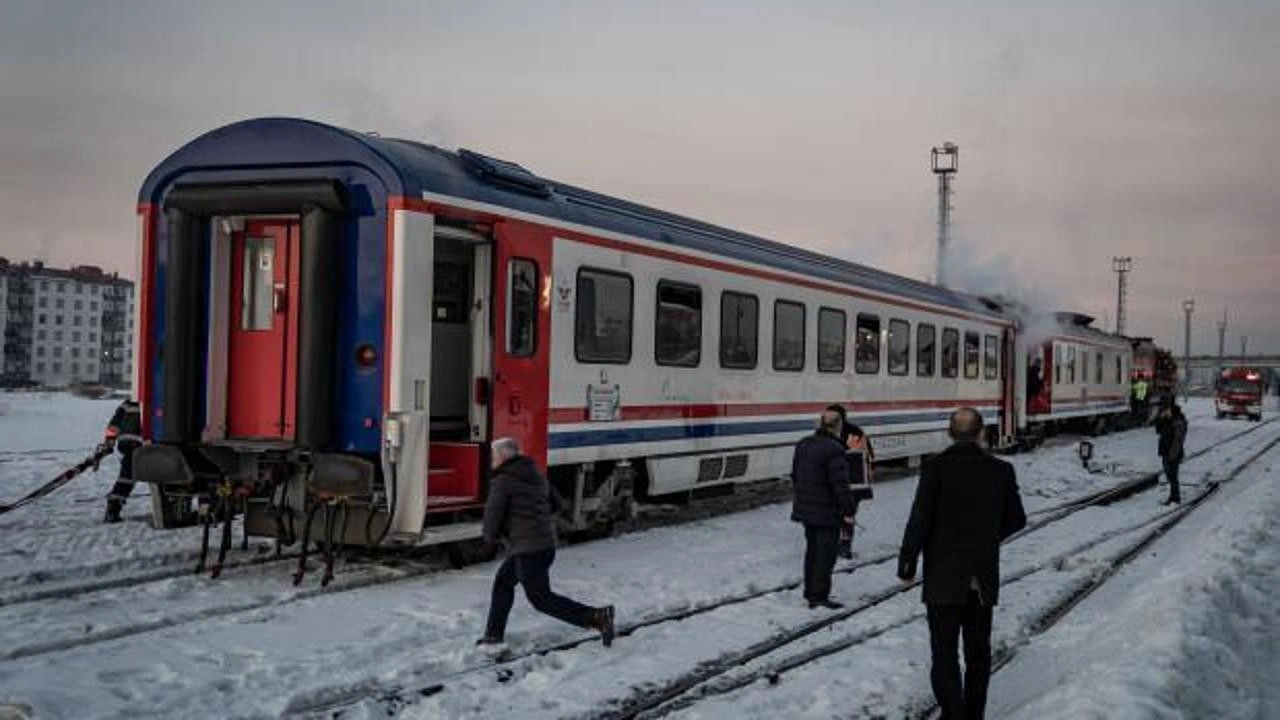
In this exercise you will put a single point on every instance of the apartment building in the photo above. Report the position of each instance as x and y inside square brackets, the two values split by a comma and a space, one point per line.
[67, 326]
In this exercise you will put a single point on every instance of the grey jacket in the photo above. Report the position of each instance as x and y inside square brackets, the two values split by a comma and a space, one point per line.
[521, 509]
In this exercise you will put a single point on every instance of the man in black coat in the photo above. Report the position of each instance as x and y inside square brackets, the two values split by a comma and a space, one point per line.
[966, 504]
[1171, 426]
[521, 513]
[820, 476]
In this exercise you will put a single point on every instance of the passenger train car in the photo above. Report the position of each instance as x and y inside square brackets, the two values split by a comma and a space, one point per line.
[1078, 377]
[329, 316]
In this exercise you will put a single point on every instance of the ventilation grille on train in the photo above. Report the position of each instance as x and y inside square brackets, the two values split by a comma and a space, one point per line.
[722, 468]
[735, 466]
[709, 469]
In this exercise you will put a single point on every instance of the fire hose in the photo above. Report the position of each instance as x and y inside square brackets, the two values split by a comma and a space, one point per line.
[67, 476]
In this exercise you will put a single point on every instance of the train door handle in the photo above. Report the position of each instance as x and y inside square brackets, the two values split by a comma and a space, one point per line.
[279, 298]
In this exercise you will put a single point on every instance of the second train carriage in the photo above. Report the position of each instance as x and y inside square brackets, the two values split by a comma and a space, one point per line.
[326, 314]
[1078, 377]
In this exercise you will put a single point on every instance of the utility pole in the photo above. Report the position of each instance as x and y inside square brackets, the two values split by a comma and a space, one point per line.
[1121, 267]
[1188, 306]
[946, 161]
[1244, 343]
[1222, 341]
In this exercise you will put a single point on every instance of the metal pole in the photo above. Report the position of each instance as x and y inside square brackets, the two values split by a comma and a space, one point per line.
[1222, 340]
[944, 223]
[1121, 266]
[1188, 305]
[1244, 344]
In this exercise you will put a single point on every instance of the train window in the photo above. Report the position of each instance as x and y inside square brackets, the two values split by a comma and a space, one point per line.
[602, 321]
[1057, 364]
[1071, 364]
[925, 349]
[950, 352]
[899, 347]
[788, 335]
[1119, 366]
[257, 284]
[991, 357]
[739, 327]
[1097, 368]
[1084, 367]
[971, 352]
[522, 307]
[866, 354]
[831, 331]
[678, 333]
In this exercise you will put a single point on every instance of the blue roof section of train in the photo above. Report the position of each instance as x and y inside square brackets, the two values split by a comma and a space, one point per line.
[263, 148]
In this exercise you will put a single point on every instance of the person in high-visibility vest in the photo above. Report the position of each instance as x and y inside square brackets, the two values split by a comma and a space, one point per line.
[1138, 403]
[124, 433]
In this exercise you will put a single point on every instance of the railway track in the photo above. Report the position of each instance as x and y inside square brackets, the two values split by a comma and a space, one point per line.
[723, 675]
[1055, 614]
[392, 698]
[241, 598]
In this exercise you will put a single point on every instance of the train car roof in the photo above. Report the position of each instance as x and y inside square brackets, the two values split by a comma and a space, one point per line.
[1078, 327]
[409, 168]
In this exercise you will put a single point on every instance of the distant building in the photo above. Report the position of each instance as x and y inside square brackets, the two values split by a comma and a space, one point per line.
[66, 326]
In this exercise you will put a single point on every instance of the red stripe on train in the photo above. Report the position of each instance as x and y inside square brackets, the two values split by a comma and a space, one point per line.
[701, 411]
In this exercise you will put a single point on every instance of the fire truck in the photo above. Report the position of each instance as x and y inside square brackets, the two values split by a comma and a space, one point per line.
[1239, 392]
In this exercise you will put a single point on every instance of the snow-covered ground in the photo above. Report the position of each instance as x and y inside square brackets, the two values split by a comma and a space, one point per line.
[249, 644]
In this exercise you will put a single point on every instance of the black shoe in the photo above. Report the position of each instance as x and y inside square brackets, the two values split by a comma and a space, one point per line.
[845, 551]
[602, 620]
[113, 511]
[828, 603]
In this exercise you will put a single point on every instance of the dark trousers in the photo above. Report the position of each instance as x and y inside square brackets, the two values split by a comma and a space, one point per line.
[820, 546]
[1171, 473]
[532, 571]
[124, 483]
[967, 702]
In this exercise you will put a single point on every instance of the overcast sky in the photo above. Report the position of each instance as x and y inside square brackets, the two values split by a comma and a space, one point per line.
[1086, 129]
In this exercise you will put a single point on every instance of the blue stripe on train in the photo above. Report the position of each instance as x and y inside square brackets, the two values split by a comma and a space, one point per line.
[624, 436]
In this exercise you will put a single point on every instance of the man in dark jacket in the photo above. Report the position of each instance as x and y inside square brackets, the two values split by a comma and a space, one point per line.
[521, 513]
[966, 504]
[1171, 426]
[124, 432]
[820, 476]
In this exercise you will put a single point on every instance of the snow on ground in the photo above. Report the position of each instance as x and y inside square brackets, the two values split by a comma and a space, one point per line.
[1191, 629]
[42, 434]
[206, 655]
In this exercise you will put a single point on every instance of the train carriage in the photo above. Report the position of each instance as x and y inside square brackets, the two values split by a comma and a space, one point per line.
[334, 317]
[1080, 377]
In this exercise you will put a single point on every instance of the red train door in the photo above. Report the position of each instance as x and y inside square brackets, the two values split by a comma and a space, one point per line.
[262, 362]
[522, 339]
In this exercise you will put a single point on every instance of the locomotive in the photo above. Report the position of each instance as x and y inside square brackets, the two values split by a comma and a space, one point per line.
[331, 318]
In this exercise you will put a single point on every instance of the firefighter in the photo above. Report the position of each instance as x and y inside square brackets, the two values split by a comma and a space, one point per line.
[859, 455]
[124, 433]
